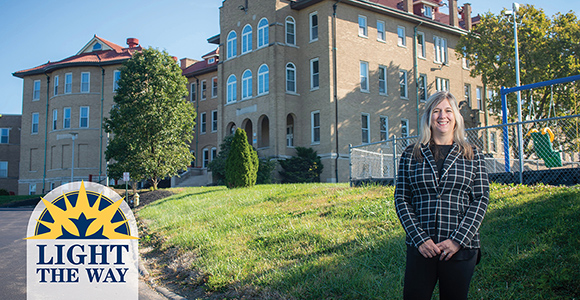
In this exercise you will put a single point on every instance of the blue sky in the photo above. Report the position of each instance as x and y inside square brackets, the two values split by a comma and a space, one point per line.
[34, 32]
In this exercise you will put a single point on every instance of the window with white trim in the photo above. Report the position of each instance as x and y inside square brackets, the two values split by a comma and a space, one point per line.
[441, 84]
[232, 45]
[54, 119]
[55, 88]
[365, 128]
[32, 188]
[36, 91]
[85, 82]
[203, 122]
[3, 169]
[214, 87]
[362, 26]
[290, 135]
[246, 84]
[421, 44]
[66, 118]
[290, 31]
[263, 33]
[232, 87]
[422, 84]
[403, 84]
[384, 127]
[116, 78]
[213, 153]
[364, 76]
[203, 85]
[247, 39]
[440, 48]
[401, 39]
[84, 117]
[4, 135]
[205, 158]
[478, 93]
[214, 121]
[193, 92]
[467, 93]
[492, 142]
[382, 80]
[34, 128]
[314, 74]
[313, 18]
[263, 80]
[428, 11]
[404, 132]
[315, 127]
[381, 36]
[68, 83]
[290, 78]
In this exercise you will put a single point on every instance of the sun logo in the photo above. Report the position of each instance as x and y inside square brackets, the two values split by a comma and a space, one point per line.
[82, 215]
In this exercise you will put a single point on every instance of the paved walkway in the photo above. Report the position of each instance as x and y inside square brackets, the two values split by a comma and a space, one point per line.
[13, 222]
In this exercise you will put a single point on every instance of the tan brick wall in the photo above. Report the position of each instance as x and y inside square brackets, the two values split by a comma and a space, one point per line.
[10, 152]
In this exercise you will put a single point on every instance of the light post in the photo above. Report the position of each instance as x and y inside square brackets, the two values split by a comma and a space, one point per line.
[513, 12]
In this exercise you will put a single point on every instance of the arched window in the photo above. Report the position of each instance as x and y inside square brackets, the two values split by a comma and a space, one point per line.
[290, 78]
[290, 31]
[247, 39]
[232, 89]
[263, 80]
[247, 84]
[232, 45]
[263, 38]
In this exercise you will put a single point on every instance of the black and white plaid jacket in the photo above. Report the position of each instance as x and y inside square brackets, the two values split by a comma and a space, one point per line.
[450, 208]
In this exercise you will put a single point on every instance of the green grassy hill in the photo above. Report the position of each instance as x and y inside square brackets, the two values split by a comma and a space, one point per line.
[327, 241]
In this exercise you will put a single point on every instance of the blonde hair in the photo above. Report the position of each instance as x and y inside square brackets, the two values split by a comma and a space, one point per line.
[425, 136]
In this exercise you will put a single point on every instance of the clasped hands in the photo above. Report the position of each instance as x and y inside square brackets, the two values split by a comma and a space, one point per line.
[445, 249]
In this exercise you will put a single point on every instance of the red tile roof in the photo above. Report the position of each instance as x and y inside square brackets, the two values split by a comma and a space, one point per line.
[202, 66]
[103, 57]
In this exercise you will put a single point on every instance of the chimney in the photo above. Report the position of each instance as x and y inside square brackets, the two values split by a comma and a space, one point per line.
[186, 62]
[132, 42]
[453, 14]
[466, 15]
[408, 6]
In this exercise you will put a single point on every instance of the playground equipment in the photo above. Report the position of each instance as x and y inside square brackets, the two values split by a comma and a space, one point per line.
[543, 146]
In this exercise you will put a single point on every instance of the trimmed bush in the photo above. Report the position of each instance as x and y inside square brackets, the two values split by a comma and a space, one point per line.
[241, 163]
[304, 167]
[265, 170]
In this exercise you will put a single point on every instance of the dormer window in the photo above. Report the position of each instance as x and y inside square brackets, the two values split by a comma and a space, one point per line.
[97, 47]
[428, 11]
[211, 60]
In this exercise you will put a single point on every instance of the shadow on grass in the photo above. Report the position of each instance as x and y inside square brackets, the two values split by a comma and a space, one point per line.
[530, 250]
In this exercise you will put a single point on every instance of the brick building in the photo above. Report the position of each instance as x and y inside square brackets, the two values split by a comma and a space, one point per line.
[9, 152]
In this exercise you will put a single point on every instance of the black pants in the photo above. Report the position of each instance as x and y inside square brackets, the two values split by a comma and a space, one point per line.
[454, 276]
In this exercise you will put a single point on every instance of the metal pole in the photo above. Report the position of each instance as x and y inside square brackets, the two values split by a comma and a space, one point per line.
[515, 7]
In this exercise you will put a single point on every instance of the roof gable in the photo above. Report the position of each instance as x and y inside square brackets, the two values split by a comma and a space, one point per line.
[99, 44]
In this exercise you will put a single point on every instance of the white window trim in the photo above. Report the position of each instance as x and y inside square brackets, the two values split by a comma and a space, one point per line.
[263, 30]
[250, 85]
[402, 42]
[213, 153]
[365, 28]
[386, 131]
[425, 86]
[55, 86]
[478, 98]
[422, 53]
[214, 79]
[293, 68]
[3, 168]
[233, 94]
[312, 128]
[202, 123]
[406, 84]
[442, 84]
[214, 120]
[384, 68]
[115, 81]
[203, 90]
[193, 92]
[81, 116]
[54, 119]
[233, 43]
[88, 83]
[312, 87]
[205, 158]
[291, 20]
[384, 39]
[247, 41]
[440, 50]
[310, 27]
[37, 123]
[264, 82]
[7, 135]
[35, 92]
[368, 128]
[68, 84]
[64, 117]
[406, 125]
[364, 76]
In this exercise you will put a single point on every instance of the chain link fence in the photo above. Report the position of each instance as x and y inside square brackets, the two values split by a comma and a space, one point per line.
[551, 153]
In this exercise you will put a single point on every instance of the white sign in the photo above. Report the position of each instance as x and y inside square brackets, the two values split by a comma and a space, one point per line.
[126, 176]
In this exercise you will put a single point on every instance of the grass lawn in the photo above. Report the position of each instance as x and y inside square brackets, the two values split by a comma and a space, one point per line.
[326, 241]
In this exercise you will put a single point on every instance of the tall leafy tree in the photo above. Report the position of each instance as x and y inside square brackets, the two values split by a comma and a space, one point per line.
[548, 48]
[151, 122]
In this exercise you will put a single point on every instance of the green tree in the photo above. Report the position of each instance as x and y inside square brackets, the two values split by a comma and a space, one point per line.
[306, 166]
[242, 162]
[218, 165]
[151, 122]
[548, 48]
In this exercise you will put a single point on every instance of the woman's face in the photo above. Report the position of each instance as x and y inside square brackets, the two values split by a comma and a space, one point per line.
[442, 119]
